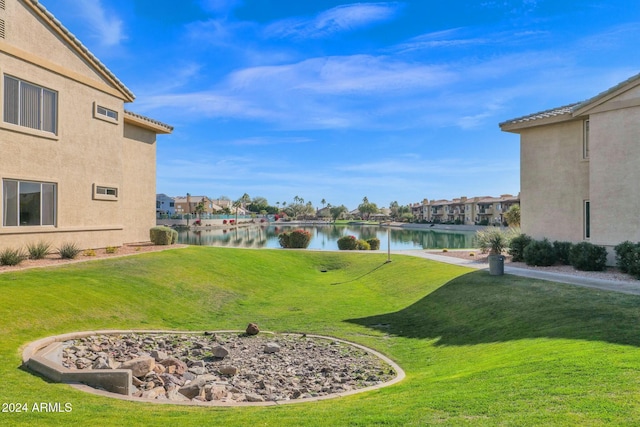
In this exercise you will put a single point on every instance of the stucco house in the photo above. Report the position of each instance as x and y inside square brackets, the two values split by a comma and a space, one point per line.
[579, 169]
[74, 166]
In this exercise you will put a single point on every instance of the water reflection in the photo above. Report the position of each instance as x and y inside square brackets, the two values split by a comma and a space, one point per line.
[325, 237]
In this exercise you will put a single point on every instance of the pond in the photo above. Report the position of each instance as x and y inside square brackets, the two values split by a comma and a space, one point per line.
[325, 237]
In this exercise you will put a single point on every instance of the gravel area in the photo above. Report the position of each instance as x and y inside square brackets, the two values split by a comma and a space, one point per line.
[231, 367]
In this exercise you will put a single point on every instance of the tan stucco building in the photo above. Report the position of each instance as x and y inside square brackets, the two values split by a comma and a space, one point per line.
[579, 168]
[74, 165]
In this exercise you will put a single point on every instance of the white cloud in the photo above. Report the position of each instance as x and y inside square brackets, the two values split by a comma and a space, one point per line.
[339, 19]
[105, 26]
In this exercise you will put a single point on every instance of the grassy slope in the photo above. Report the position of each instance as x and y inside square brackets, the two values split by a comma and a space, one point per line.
[477, 349]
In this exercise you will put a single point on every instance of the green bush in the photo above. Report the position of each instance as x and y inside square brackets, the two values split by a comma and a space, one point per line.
[38, 250]
[562, 249]
[363, 245]
[517, 245]
[588, 257]
[163, 235]
[69, 250]
[11, 256]
[374, 243]
[492, 240]
[347, 243]
[625, 252]
[540, 253]
[296, 239]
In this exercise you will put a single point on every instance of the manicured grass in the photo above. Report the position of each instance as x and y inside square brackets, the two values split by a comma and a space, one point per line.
[477, 349]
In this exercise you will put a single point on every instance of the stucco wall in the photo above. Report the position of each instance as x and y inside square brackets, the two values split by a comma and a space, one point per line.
[615, 174]
[86, 150]
[554, 181]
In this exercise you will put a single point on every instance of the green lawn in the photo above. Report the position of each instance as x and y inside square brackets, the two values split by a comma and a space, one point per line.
[477, 349]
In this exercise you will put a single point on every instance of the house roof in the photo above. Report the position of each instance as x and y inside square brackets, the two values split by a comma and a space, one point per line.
[82, 49]
[572, 110]
[146, 122]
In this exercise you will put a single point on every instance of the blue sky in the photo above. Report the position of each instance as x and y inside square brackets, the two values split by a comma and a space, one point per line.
[336, 100]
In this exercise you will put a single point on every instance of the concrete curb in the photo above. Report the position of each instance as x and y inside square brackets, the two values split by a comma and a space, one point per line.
[44, 356]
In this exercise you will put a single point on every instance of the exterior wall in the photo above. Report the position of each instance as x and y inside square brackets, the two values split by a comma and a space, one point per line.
[615, 173]
[86, 150]
[554, 180]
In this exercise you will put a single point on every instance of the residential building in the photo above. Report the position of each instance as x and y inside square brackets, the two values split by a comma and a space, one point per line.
[463, 210]
[76, 167]
[579, 169]
[165, 205]
[189, 205]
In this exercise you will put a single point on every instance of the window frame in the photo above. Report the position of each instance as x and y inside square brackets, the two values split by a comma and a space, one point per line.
[98, 114]
[108, 192]
[47, 114]
[585, 139]
[47, 203]
[586, 214]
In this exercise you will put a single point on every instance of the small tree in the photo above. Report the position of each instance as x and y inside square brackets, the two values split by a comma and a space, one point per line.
[492, 240]
[512, 216]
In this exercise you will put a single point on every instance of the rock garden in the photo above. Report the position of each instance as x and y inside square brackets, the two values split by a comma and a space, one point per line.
[231, 367]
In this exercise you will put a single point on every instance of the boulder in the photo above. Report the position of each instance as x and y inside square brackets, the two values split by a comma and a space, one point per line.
[252, 329]
[139, 366]
[220, 352]
[174, 366]
[159, 355]
[228, 370]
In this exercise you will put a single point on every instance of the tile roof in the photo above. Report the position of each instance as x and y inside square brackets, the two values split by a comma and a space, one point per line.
[157, 123]
[83, 49]
[567, 109]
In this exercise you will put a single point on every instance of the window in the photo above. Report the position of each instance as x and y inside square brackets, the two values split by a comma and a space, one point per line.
[28, 203]
[105, 192]
[587, 219]
[31, 106]
[585, 140]
[104, 113]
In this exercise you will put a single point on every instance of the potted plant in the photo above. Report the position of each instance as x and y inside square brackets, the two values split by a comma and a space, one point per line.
[494, 241]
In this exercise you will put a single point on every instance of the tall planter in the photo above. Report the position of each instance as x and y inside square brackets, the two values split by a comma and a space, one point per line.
[496, 265]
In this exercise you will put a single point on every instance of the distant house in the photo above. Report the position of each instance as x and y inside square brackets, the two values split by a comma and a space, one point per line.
[165, 205]
[579, 168]
[74, 165]
[475, 210]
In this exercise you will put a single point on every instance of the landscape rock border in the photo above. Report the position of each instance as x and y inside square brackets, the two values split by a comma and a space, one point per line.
[45, 357]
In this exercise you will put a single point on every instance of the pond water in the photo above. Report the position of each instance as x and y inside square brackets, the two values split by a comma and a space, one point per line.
[325, 237]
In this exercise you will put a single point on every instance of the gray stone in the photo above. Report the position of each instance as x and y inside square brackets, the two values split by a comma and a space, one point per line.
[174, 366]
[252, 397]
[220, 352]
[198, 370]
[159, 355]
[271, 347]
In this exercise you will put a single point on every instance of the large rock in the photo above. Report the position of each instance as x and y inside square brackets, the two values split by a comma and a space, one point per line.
[252, 329]
[139, 366]
[228, 370]
[220, 352]
[174, 366]
[193, 389]
[159, 355]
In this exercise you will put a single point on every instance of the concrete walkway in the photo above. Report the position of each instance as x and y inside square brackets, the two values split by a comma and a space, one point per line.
[626, 287]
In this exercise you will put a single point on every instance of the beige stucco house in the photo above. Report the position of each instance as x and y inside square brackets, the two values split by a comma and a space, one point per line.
[579, 168]
[74, 165]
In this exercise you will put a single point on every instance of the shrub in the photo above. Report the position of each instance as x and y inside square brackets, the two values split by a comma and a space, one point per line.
[563, 249]
[69, 250]
[12, 256]
[38, 250]
[492, 240]
[111, 249]
[89, 252]
[347, 243]
[588, 257]
[224, 222]
[162, 235]
[362, 245]
[296, 239]
[374, 243]
[517, 245]
[624, 255]
[540, 253]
